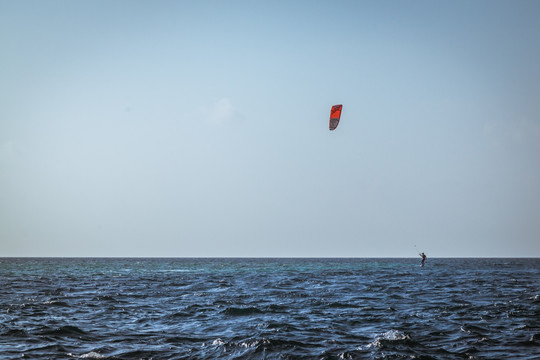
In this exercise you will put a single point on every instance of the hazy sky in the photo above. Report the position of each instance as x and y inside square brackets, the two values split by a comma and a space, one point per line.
[200, 128]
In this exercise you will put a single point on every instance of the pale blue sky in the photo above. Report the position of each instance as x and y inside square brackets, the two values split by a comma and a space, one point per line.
[200, 128]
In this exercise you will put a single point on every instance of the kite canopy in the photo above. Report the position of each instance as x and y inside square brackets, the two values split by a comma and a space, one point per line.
[335, 115]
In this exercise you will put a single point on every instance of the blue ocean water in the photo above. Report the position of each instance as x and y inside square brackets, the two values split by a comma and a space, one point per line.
[269, 308]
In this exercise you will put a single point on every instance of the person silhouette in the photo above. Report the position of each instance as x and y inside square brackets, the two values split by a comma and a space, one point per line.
[424, 257]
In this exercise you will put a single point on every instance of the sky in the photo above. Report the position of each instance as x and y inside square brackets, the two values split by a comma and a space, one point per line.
[200, 128]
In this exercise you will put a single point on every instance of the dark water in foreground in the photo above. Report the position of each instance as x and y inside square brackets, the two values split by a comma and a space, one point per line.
[269, 309]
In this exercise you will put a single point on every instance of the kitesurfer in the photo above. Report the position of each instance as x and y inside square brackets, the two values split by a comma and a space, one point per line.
[424, 257]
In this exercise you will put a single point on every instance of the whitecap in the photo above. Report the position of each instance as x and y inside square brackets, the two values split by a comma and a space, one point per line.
[394, 335]
[391, 335]
[218, 342]
[249, 344]
[254, 343]
[91, 355]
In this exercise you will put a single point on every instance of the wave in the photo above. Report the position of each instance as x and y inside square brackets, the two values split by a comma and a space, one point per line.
[341, 305]
[278, 308]
[92, 355]
[56, 303]
[64, 331]
[15, 333]
[262, 344]
[234, 311]
[384, 339]
[104, 298]
[475, 330]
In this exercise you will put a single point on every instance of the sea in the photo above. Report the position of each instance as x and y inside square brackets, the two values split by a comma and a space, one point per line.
[263, 308]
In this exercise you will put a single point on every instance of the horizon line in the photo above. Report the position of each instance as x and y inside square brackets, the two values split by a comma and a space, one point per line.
[262, 257]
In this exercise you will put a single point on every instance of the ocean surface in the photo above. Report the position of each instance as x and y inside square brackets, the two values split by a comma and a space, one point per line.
[90, 308]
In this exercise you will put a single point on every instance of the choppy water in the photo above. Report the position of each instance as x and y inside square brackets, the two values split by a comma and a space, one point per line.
[269, 309]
